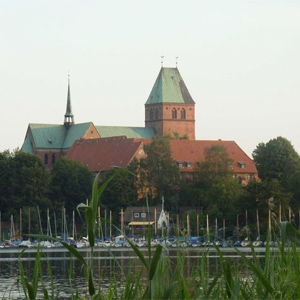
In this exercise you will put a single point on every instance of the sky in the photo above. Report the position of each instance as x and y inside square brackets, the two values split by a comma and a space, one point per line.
[239, 60]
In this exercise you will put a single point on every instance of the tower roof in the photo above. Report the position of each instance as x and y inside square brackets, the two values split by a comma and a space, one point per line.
[169, 87]
[69, 117]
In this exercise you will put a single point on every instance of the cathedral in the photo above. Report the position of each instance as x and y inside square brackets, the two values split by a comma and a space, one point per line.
[169, 110]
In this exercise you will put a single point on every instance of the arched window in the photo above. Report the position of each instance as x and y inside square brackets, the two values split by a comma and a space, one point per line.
[156, 114]
[151, 114]
[53, 158]
[46, 159]
[174, 113]
[183, 113]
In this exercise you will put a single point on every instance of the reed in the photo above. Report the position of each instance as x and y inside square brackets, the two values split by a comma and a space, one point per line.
[276, 276]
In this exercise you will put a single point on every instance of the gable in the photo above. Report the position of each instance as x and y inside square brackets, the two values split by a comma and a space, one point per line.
[47, 136]
[75, 132]
[52, 136]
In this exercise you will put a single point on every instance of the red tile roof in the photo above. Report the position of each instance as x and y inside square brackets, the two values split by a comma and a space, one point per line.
[193, 151]
[104, 153]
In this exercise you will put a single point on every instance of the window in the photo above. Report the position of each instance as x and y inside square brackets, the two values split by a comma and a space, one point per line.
[136, 215]
[46, 159]
[53, 159]
[241, 164]
[156, 114]
[174, 113]
[180, 164]
[183, 113]
[188, 164]
[143, 215]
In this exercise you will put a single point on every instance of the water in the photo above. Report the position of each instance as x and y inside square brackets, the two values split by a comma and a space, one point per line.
[108, 266]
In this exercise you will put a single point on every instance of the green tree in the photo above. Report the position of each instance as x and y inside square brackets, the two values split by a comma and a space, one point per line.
[5, 171]
[218, 191]
[276, 159]
[70, 185]
[293, 187]
[120, 193]
[215, 166]
[160, 171]
[26, 182]
[264, 196]
[221, 200]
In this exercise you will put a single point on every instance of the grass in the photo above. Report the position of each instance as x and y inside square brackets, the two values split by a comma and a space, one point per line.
[276, 276]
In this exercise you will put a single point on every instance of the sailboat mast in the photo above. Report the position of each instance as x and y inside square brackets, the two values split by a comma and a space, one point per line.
[207, 227]
[21, 229]
[237, 227]
[41, 228]
[257, 223]
[55, 225]
[99, 222]
[29, 222]
[110, 224]
[216, 229]
[73, 229]
[247, 222]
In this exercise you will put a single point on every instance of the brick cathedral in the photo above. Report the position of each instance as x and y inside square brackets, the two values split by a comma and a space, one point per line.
[169, 110]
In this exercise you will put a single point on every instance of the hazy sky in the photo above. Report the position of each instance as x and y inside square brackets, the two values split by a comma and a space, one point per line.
[239, 60]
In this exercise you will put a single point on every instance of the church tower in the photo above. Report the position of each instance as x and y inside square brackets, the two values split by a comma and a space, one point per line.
[170, 108]
[69, 117]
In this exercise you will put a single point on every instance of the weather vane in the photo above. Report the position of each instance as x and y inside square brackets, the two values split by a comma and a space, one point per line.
[162, 60]
[177, 61]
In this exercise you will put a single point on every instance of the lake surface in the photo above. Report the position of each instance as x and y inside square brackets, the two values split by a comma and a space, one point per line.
[108, 266]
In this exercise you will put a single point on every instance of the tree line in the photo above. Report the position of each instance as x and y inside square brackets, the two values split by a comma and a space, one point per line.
[24, 183]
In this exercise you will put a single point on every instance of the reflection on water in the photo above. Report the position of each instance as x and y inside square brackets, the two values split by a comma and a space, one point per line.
[107, 267]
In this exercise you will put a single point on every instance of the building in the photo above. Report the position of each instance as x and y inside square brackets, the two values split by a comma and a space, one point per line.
[169, 110]
[53, 141]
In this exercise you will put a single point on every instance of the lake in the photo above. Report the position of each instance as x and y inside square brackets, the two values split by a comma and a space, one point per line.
[109, 265]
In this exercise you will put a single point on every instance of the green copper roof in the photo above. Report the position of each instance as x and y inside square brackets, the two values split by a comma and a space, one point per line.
[169, 87]
[27, 146]
[75, 132]
[129, 132]
[49, 136]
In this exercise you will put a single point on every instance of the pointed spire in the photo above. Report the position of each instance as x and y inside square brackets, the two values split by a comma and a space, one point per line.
[69, 117]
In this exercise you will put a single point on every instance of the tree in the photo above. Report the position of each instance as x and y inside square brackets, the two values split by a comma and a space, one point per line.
[71, 184]
[221, 200]
[216, 165]
[24, 182]
[276, 159]
[159, 170]
[121, 192]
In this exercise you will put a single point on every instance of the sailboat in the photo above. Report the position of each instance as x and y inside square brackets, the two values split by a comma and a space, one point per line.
[237, 243]
[207, 243]
[258, 242]
[224, 243]
[45, 244]
[217, 242]
[246, 242]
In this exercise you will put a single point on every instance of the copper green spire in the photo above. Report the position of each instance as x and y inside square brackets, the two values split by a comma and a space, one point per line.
[169, 87]
[69, 117]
